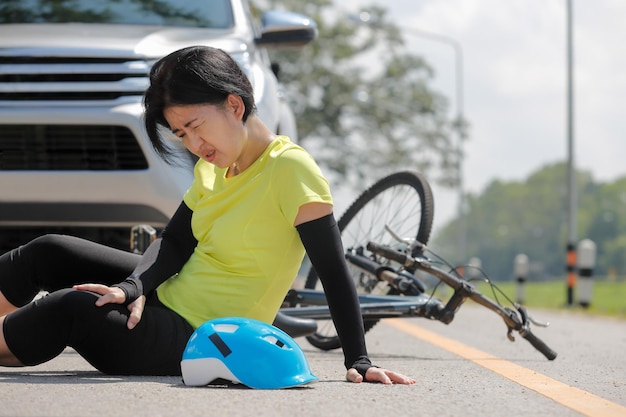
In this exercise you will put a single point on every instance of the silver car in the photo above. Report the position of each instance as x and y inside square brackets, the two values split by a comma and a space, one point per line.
[74, 157]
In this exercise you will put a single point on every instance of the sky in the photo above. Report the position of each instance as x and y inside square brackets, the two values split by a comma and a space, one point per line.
[514, 83]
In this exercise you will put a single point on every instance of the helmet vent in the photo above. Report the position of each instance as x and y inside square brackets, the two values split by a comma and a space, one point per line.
[275, 341]
[226, 327]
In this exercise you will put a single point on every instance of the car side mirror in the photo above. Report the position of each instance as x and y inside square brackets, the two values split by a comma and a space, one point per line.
[282, 28]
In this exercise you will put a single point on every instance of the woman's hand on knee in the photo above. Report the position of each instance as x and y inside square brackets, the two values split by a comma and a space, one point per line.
[107, 294]
[136, 310]
[116, 296]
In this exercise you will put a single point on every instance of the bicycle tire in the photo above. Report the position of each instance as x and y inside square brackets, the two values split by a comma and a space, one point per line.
[403, 201]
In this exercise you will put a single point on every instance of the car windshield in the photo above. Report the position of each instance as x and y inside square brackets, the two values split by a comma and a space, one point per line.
[215, 14]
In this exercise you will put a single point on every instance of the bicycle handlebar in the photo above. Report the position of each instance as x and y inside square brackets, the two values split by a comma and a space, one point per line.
[532, 339]
[517, 321]
[538, 344]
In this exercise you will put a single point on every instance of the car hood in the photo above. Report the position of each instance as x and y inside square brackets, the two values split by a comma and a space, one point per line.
[88, 40]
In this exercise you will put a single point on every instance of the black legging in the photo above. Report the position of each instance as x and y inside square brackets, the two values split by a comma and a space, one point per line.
[40, 330]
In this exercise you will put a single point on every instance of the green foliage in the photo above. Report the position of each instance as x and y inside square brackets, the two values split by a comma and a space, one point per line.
[529, 217]
[363, 104]
[608, 296]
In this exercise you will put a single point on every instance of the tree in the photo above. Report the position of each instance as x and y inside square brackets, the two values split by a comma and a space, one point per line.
[529, 217]
[363, 104]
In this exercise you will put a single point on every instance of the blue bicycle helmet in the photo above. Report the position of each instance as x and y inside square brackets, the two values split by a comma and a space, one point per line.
[244, 351]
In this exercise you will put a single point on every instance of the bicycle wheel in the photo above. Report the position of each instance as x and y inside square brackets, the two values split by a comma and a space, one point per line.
[404, 202]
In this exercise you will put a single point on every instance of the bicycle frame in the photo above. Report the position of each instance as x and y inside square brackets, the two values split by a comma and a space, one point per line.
[313, 305]
[305, 303]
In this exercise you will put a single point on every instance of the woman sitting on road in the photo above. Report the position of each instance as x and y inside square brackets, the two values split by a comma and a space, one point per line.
[232, 248]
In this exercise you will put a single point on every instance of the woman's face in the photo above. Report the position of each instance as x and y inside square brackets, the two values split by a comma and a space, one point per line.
[212, 133]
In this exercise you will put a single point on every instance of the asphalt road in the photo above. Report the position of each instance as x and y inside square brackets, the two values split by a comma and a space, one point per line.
[467, 368]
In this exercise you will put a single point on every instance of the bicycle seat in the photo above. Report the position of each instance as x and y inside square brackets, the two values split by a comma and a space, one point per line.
[295, 326]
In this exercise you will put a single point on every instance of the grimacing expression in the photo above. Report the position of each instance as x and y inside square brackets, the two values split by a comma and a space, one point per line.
[212, 133]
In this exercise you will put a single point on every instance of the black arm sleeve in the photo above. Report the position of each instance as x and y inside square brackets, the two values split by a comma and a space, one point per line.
[322, 240]
[164, 257]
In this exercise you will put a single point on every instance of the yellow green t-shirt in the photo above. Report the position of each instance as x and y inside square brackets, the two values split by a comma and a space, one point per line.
[248, 251]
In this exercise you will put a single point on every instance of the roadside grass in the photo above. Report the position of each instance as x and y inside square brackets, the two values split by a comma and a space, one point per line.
[608, 296]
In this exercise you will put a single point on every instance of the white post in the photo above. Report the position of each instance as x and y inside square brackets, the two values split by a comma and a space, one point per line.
[520, 270]
[475, 265]
[586, 262]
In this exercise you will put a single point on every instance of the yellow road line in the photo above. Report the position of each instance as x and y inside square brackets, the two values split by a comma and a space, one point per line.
[567, 395]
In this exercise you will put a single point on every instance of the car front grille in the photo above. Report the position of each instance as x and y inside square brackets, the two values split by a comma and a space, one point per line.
[41, 78]
[69, 147]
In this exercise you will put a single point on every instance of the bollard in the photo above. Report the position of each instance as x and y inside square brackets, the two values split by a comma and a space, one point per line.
[586, 257]
[570, 269]
[520, 270]
[475, 265]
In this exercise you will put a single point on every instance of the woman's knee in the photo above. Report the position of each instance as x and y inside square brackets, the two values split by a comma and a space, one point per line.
[76, 314]
[40, 330]
[48, 246]
[20, 270]
[63, 305]
[71, 306]
[39, 254]
[30, 268]
[78, 305]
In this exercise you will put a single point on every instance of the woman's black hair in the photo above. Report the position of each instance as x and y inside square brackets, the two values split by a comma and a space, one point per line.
[192, 75]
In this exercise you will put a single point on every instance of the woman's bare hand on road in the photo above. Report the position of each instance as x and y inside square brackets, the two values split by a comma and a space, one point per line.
[375, 374]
